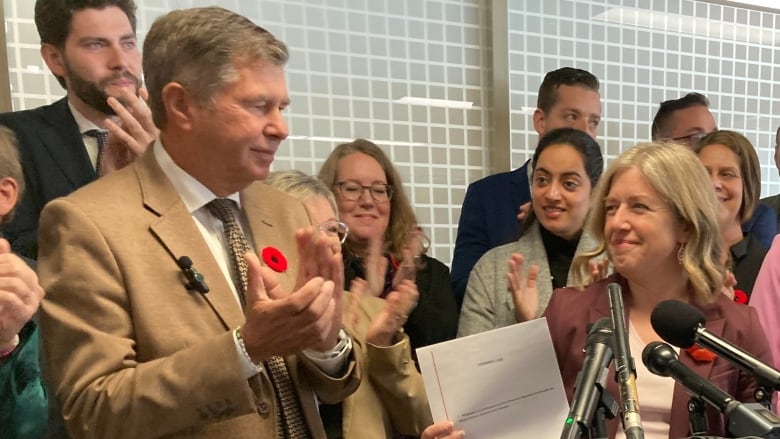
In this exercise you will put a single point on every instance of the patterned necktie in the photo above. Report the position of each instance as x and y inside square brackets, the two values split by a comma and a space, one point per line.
[222, 208]
[102, 140]
[290, 422]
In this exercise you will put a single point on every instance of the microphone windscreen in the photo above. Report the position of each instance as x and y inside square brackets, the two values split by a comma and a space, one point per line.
[676, 322]
[184, 262]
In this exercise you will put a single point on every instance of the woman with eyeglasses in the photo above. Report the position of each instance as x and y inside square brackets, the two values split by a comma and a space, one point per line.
[734, 169]
[384, 243]
[391, 397]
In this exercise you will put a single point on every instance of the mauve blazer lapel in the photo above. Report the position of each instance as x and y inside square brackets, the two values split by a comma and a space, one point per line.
[178, 233]
[679, 419]
[600, 306]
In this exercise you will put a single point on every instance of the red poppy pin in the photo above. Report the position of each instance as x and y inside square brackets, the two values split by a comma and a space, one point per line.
[740, 297]
[701, 355]
[274, 258]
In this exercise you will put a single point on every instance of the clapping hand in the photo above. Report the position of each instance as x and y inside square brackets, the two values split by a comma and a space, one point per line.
[20, 295]
[523, 288]
[280, 323]
[130, 133]
[522, 211]
[413, 248]
[399, 303]
[598, 270]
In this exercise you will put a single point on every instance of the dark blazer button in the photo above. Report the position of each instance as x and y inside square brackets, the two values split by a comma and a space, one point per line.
[262, 408]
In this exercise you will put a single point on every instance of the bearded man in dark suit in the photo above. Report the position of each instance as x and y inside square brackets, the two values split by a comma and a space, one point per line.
[90, 47]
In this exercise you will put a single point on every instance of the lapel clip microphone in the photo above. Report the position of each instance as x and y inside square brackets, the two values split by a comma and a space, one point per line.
[195, 280]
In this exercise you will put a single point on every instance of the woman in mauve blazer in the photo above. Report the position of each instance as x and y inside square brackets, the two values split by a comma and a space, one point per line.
[736, 323]
[655, 214]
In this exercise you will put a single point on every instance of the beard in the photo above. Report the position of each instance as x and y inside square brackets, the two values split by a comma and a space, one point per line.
[93, 93]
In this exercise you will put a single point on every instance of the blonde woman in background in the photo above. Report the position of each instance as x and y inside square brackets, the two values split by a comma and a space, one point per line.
[391, 398]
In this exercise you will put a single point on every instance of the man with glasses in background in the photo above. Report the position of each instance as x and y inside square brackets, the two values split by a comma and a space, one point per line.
[685, 121]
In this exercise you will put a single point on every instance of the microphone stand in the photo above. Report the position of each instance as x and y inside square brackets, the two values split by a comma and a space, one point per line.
[591, 404]
[697, 419]
[607, 409]
[752, 420]
[741, 419]
[762, 395]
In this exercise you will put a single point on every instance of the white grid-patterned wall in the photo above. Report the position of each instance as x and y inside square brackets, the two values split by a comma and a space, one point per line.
[352, 59]
[645, 52]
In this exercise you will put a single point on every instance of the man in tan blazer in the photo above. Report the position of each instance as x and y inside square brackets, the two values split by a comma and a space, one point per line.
[133, 350]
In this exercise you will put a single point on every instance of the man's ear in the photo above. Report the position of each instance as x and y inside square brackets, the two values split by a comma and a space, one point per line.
[539, 121]
[9, 193]
[54, 59]
[179, 105]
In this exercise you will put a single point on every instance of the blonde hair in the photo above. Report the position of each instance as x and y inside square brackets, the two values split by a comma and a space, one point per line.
[749, 167]
[201, 49]
[301, 186]
[402, 219]
[680, 179]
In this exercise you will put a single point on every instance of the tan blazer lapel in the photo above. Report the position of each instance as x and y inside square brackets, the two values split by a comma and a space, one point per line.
[273, 218]
[679, 420]
[269, 228]
[178, 233]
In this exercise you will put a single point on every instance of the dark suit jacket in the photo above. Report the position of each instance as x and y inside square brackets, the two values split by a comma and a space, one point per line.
[488, 219]
[774, 203]
[134, 353]
[762, 225]
[435, 319]
[55, 163]
[570, 310]
[747, 256]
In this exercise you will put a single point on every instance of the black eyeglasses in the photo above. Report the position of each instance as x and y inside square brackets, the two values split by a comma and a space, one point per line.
[352, 191]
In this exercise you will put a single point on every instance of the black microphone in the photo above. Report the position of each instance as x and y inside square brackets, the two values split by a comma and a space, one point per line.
[743, 419]
[590, 380]
[661, 359]
[195, 280]
[682, 325]
[625, 371]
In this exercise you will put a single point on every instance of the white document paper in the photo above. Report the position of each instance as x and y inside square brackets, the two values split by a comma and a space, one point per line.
[503, 383]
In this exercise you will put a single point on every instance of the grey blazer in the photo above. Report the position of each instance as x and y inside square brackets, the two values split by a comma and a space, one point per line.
[488, 302]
